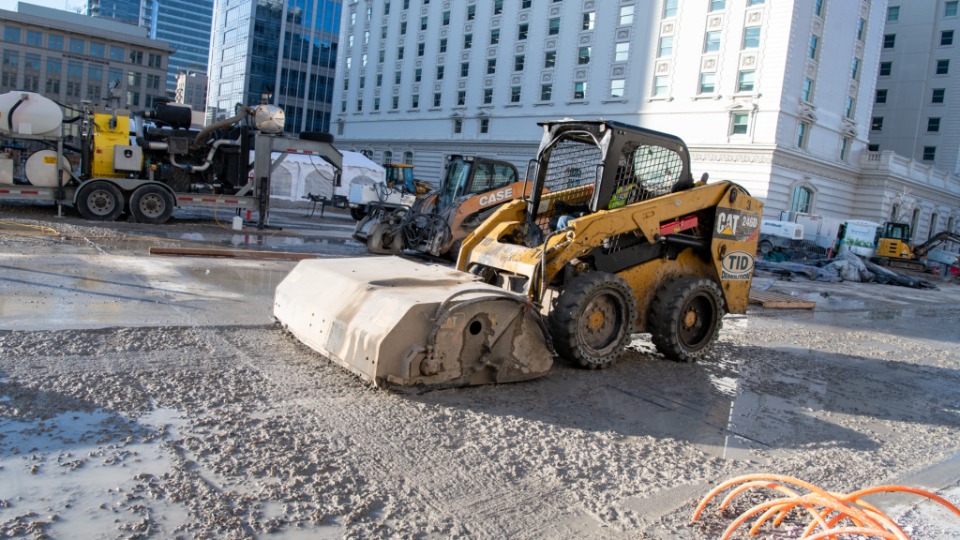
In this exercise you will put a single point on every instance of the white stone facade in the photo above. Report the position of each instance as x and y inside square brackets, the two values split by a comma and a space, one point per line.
[736, 79]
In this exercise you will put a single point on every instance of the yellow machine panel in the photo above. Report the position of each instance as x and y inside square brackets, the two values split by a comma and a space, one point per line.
[110, 130]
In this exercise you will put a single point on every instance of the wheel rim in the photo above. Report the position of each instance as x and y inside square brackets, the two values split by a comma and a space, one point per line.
[697, 319]
[152, 205]
[101, 202]
[601, 324]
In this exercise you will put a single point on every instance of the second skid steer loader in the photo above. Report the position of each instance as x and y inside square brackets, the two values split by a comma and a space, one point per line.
[614, 239]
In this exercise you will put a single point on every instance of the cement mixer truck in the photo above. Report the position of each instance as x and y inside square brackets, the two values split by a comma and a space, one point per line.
[144, 168]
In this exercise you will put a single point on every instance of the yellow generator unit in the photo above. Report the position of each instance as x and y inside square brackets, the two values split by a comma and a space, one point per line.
[112, 155]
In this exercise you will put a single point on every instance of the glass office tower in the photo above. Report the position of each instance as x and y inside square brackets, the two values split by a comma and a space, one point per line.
[274, 51]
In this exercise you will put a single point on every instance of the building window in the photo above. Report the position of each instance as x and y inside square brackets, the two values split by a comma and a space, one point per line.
[950, 8]
[514, 94]
[462, 97]
[495, 36]
[626, 15]
[96, 49]
[818, 8]
[395, 103]
[617, 87]
[518, 61]
[855, 69]
[814, 45]
[881, 96]
[669, 8]
[421, 47]
[622, 52]
[546, 92]
[861, 24]
[446, 18]
[11, 34]
[717, 5]
[417, 76]
[376, 104]
[522, 31]
[665, 48]
[550, 59]
[400, 53]
[467, 41]
[580, 90]
[850, 108]
[844, 148]
[873, 148]
[807, 93]
[497, 7]
[943, 67]
[553, 26]
[55, 42]
[457, 125]
[802, 200]
[415, 101]
[583, 56]
[711, 42]
[487, 96]
[359, 105]
[933, 125]
[889, 41]
[751, 37]
[938, 95]
[745, 81]
[35, 39]
[660, 86]
[403, 28]
[589, 19]
[755, 2]
[886, 68]
[524, 4]
[739, 123]
[491, 66]
[803, 131]
[929, 153]
[946, 38]
[471, 12]
[464, 69]
[707, 83]
[893, 13]
[443, 45]
[116, 53]
[423, 23]
[876, 123]
[396, 77]
[484, 125]
[437, 99]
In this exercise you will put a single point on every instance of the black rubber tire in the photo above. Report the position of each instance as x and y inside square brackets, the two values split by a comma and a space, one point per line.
[317, 136]
[764, 247]
[593, 319]
[686, 317]
[357, 213]
[99, 201]
[151, 204]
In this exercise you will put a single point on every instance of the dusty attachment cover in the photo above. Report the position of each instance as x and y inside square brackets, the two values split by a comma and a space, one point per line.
[397, 322]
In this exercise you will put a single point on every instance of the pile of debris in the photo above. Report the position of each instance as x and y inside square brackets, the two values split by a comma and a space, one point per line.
[845, 267]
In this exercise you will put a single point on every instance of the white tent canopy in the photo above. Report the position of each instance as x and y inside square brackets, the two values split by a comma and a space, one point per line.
[299, 175]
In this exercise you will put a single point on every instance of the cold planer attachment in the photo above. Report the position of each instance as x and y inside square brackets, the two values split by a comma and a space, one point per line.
[402, 323]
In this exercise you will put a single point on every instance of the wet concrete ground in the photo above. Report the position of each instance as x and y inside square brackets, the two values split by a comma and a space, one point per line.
[865, 389]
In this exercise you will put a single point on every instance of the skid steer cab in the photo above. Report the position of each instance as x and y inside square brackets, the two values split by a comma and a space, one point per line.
[610, 237]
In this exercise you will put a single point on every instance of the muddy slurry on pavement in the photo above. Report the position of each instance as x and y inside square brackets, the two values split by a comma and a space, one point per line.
[208, 429]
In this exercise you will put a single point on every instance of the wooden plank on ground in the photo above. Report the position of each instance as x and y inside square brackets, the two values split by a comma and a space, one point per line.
[777, 300]
[230, 253]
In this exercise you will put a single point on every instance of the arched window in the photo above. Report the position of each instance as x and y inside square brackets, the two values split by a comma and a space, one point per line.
[802, 200]
[387, 156]
[934, 225]
[914, 221]
[367, 153]
[408, 157]
[895, 212]
[951, 222]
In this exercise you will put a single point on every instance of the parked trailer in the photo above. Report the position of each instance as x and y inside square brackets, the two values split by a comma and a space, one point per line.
[168, 166]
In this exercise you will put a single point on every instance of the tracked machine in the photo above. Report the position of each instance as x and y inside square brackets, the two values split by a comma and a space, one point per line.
[615, 238]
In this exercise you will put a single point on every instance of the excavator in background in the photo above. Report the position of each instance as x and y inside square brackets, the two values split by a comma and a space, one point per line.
[613, 237]
[436, 224]
[894, 249]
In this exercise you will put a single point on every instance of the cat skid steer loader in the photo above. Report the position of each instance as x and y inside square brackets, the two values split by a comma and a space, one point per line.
[614, 239]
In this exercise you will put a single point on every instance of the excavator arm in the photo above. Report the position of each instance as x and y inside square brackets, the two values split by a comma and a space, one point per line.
[923, 249]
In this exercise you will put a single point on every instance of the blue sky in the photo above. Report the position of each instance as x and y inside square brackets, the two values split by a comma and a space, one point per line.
[71, 5]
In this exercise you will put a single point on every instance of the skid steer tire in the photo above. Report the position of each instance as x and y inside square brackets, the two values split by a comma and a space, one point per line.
[685, 318]
[593, 319]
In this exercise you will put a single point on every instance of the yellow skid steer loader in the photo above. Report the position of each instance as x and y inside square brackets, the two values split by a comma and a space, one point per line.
[615, 238]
